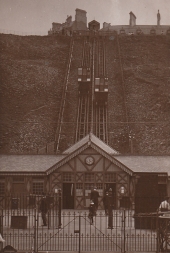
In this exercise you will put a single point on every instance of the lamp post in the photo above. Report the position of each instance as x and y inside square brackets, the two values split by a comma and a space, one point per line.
[110, 210]
[58, 200]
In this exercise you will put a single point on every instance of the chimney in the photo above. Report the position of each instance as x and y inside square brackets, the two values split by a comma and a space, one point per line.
[132, 20]
[158, 18]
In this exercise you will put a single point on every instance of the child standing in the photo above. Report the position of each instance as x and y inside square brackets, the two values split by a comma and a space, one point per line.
[91, 212]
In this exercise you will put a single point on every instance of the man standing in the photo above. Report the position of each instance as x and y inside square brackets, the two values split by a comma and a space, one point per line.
[94, 197]
[106, 203]
[164, 206]
[44, 209]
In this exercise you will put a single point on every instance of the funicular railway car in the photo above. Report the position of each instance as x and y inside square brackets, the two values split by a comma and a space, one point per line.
[101, 89]
[84, 79]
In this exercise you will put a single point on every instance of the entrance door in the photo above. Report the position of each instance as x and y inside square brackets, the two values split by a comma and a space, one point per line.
[68, 196]
[18, 195]
[113, 187]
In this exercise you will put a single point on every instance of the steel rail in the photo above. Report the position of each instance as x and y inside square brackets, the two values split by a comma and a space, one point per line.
[77, 124]
[63, 101]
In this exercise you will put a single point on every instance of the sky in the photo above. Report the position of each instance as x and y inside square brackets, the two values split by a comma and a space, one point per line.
[37, 16]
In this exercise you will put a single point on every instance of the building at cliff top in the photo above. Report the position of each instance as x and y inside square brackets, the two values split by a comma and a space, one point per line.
[133, 28]
[80, 23]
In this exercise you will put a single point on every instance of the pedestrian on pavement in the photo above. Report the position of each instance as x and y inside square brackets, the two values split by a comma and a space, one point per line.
[106, 203]
[91, 212]
[43, 207]
[94, 197]
[110, 210]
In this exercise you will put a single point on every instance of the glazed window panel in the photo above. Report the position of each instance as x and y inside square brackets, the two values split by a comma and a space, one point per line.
[88, 188]
[100, 188]
[79, 186]
[110, 177]
[67, 177]
[79, 189]
[89, 177]
[2, 188]
[37, 188]
[18, 179]
[162, 179]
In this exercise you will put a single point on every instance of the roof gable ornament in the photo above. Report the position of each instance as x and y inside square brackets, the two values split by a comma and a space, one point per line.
[89, 141]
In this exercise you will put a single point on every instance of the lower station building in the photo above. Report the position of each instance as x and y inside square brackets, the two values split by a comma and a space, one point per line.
[136, 181]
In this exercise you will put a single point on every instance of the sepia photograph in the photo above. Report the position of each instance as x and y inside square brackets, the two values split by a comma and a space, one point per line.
[84, 126]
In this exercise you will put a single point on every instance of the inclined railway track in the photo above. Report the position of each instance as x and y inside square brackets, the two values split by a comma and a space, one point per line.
[85, 100]
[100, 108]
[91, 113]
[63, 100]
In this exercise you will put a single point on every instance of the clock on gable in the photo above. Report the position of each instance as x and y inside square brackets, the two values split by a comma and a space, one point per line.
[89, 160]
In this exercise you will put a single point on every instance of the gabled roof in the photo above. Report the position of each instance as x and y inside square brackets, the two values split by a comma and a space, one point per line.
[91, 139]
[27, 163]
[146, 164]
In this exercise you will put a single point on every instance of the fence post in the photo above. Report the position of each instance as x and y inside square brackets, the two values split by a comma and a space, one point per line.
[1, 228]
[59, 208]
[35, 231]
[123, 231]
[157, 233]
[79, 233]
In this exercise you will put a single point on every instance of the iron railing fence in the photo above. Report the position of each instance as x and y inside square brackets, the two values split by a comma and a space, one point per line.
[72, 230]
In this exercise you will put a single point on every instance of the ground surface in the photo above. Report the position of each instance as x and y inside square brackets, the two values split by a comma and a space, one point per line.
[32, 71]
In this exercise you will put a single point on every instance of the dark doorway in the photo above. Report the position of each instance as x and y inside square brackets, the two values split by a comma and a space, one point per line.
[113, 187]
[18, 195]
[68, 196]
[147, 195]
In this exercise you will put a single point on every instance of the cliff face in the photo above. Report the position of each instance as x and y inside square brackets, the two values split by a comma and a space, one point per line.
[146, 71]
[32, 71]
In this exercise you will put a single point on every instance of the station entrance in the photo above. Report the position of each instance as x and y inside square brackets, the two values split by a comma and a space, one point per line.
[68, 196]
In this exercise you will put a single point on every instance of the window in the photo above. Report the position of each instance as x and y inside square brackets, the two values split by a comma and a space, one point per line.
[79, 71]
[89, 177]
[100, 188]
[79, 186]
[162, 179]
[18, 179]
[79, 189]
[67, 177]
[88, 188]
[37, 188]
[110, 177]
[2, 188]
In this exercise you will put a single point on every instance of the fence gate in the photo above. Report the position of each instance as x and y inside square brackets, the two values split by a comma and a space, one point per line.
[21, 227]
[77, 233]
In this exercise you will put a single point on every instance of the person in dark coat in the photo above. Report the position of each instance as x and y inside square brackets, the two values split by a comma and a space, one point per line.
[94, 197]
[106, 203]
[110, 209]
[43, 207]
[91, 212]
